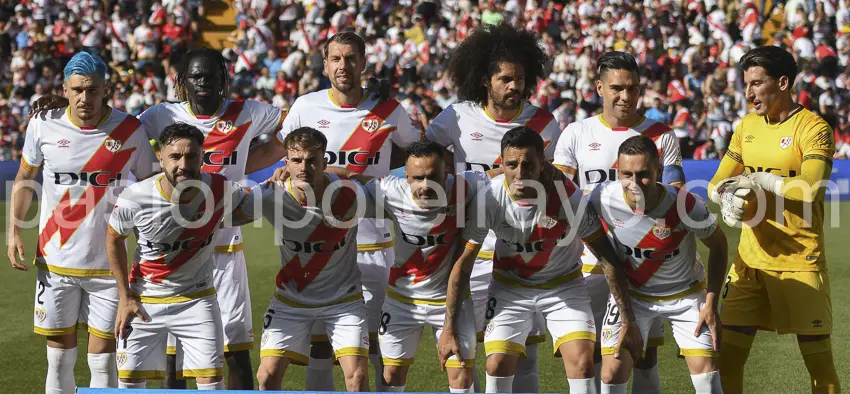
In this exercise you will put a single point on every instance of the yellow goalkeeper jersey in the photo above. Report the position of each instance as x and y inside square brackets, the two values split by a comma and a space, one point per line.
[788, 238]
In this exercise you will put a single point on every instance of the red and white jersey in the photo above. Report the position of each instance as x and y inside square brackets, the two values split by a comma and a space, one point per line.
[318, 257]
[360, 138]
[262, 36]
[534, 247]
[119, 32]
[426, 239]
[476, 137]
[82, 167]
[228, 136]
[660, 246]
[174, 247]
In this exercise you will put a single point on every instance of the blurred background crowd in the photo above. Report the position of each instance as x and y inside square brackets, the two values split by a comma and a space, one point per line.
[687, 50]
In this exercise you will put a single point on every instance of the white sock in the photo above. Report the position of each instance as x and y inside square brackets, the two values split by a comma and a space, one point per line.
[60, 371]
[476, 381]
[614, 388]
[104, 372]
[320, 374]
[597, 378]
[212, 386]
[394, 389]
[526, 378]
[707, 383]
[582, 386]
[646, 381]
[469, 390]
[378, 363]
[499, 384]
[126, 385]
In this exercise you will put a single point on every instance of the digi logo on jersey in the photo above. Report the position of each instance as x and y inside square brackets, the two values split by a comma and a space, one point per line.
[778, 171]
[96, 178]
[534, 247]
[427, 240]
[190, 244]
[481, 167]
[343, 158]
[650, 254]
[219, 158]
[600, 175]
[313, 246]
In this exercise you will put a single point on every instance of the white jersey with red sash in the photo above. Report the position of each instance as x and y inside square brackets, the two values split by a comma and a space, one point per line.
[82, 167]
[228, 134]
[660, 246]
[174, 246]
[360, 138]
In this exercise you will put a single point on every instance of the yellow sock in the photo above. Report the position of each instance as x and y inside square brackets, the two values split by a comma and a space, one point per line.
[818, 358]
[734, 351]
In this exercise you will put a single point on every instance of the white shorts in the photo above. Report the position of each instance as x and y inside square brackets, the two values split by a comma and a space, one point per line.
[230, 278]
[482, 275]
[566, 309]
[682, 313]
[374, 276]
[287, 330]
[197, 326]
[597, 287]
[64, 302]
[402, 325]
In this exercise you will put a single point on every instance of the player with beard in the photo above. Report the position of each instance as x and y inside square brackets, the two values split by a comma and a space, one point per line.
[587, 152]
[85, 150]
[495, 70]
[362, 134]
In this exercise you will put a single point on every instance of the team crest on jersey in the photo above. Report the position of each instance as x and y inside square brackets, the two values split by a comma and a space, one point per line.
[618, 223]
[40, 313]
[370, 124]
[121, 358]
[224, 126]
[661, 232]
[547, 222]
[785, 142]
[112, 145]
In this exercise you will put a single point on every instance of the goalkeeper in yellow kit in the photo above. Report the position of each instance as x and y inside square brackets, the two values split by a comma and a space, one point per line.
[779, 280]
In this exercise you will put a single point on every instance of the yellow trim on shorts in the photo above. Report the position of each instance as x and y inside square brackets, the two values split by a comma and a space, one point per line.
[238, 347]
[78, 272]
[655, 342]
[101, 334]
[609, 351]
[115, 232]
[171, 350]
[698, 287]
[54, 332]
[535, 339]
[124, 374]
[470, 363]
[374, 247]
[28, 166]
[398, 362]
[543, 286]
[507, 347]
[574, 336]
[296, 357]
[696, 352]
[352, 351]
[415, 301]
[175, 299]
[593, 269]
[201, 373]
[485, 255]
[351, 298]
[229, 248]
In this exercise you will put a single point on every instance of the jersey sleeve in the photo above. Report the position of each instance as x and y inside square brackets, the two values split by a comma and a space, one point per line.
[818, 143]
[671, 155]
[580, 213]
[247, 202]
[734, 150]
[405, 133]
[441, 130]
[290, 122]
[700, 220]
[32, 155]
[555, 132]
[144, 160]
[151, 121]
[376, 195]
[564, 153]
[122, 220]
[480, 213]
[267, 118]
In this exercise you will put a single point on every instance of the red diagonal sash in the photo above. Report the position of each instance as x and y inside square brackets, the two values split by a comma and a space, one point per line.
[369, 136]
[67, 216]
[224, 139]
[538, 123]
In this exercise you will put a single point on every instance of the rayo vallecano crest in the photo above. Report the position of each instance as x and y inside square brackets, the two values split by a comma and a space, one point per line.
[547, 222]
[660, 232]
[785, 142]
[112, 145]
[224, 126]
[370, 124]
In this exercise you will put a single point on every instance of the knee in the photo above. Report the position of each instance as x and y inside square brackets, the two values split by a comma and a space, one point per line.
[613, 374]
[462, 379]
[394, 375]
[268, 376]
[357, 376]
[501, 364]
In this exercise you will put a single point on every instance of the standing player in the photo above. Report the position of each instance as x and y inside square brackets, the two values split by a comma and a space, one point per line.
[495, 70]
[361, 133]
[779, 280]
[587, 152]
[537, 267]
[86, 149]
[318, 284]
[656, 234]
[170, 289]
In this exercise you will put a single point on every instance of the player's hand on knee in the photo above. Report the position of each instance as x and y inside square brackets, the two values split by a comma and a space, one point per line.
[280, 176]
[630, 340]
[15, 252]
[447, 345]
[48, 102]
[128, 309]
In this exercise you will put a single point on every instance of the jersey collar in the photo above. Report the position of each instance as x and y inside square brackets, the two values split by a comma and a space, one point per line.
[518, 112]
[204, 117]
[87, 128]
[364, 95]
[604, 123]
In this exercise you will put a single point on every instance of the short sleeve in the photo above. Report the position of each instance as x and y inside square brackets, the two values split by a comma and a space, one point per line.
[290, 122]
[144, 160]
[267, 118]
[441, 130]
[671, 155]
[580, 213]
[700, 220]
[122, 220]
[32, 155]
[406, 133]
[247, 202]
[564, 153]
[376, 194]
[819, 142]
[551, 130]
[734, 150]
[151, 121]
[479, 215]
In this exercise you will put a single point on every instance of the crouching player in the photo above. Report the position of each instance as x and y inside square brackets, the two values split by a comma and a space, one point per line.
[170, 287]
[655, 227]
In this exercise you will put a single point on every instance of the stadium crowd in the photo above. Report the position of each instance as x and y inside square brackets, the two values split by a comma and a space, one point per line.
[687, 51]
